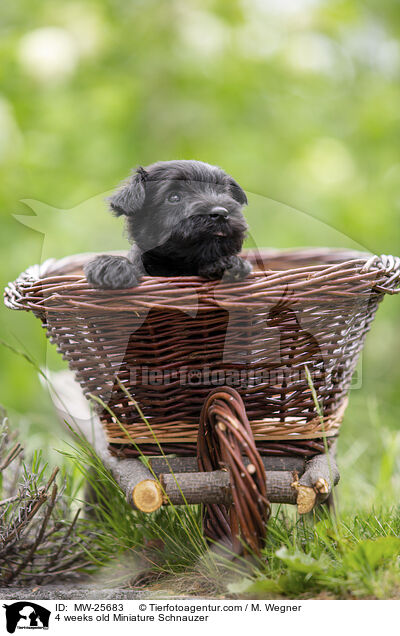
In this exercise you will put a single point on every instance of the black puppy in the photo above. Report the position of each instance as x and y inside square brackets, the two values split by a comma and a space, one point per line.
[184, 218]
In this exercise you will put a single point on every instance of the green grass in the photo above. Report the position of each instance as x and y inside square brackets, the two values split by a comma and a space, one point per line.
[129, 545]
[357, 556]
[354, 555]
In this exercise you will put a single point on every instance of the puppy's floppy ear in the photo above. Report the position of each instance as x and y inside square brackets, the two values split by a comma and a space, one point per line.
[237, 192]
[130, 196]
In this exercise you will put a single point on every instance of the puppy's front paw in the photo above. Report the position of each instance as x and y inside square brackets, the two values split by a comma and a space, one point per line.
[229, 269]
[238, 270]
[111, 272]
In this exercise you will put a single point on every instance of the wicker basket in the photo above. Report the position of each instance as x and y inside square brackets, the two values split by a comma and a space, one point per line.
[170, 341]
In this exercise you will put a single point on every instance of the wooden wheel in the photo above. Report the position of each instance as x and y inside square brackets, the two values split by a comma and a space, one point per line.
[226, 441]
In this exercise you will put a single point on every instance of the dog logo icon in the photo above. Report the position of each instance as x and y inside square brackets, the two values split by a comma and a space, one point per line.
[26, 615]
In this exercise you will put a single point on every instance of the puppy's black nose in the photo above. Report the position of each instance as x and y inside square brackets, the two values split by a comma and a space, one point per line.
[217, 211]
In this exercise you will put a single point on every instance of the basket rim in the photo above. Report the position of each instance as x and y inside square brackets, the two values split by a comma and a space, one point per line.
[54, 286]
[65, 266]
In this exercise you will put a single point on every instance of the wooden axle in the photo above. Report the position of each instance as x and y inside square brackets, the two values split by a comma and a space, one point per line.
[304, 484]
[189, 464]
[214, 487]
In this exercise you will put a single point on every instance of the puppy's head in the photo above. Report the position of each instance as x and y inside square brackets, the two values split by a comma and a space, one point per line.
[182, 203]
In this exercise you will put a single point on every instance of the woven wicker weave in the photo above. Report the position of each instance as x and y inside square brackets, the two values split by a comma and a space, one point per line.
[170, 341]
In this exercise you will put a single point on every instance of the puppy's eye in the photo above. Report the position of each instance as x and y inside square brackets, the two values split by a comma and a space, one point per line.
[174, 197]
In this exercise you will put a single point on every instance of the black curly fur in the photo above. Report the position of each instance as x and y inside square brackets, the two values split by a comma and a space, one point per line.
[184, 218]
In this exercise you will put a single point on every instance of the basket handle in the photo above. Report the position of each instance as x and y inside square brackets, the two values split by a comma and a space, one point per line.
[390, 267]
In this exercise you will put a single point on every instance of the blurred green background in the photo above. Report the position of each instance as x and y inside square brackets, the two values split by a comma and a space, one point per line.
[298, 99]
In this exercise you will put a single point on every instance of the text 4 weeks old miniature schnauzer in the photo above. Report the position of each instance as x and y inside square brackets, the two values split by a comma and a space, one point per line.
[184, 218]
